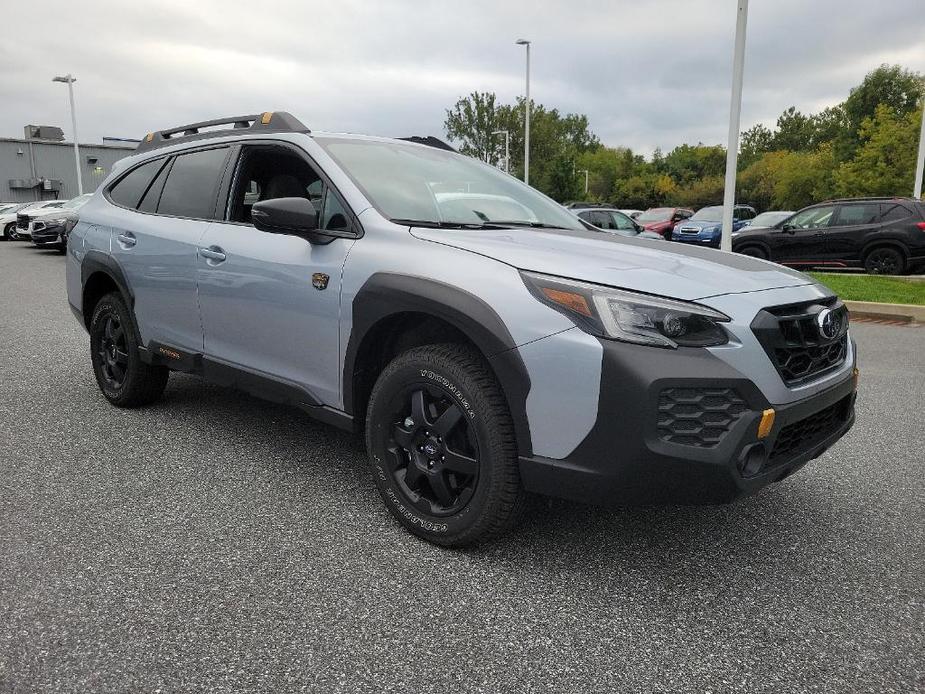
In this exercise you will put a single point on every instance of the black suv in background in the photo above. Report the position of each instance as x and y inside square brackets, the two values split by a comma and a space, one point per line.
[883, 235]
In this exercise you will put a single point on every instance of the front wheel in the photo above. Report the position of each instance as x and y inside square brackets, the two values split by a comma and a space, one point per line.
[754, 252]
[9, 232]
[125, 380]
[442, 447]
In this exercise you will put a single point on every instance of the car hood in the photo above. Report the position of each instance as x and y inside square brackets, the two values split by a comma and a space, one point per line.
[668, 269]
[44, 212]
[656, 225]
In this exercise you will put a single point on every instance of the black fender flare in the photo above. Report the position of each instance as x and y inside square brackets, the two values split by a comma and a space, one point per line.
[387, 294]
[95, 262]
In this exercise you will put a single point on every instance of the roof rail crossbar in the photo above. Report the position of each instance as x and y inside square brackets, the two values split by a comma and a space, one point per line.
[267, 122]
[428, 140]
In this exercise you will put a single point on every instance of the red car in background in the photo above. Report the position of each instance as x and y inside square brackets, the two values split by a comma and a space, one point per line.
[661, 220]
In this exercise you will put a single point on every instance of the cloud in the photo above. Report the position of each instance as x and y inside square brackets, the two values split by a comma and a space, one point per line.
[647, 74]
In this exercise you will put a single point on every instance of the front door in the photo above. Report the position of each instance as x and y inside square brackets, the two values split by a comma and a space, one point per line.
[802, 241]
[270, 303]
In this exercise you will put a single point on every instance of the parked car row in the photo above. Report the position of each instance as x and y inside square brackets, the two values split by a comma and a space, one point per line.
[45, 223]
[883, 235]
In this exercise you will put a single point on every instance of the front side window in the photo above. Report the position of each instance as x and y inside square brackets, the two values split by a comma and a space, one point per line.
[129, 189]
[813, 218]
[416, 184]
[850, 215]
[271, 172]
[621, 221]
[192, 184]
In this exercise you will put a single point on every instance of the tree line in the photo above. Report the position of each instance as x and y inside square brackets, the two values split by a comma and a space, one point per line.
[865, 145]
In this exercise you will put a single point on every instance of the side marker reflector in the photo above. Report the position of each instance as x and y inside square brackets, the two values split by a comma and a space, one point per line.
[265, 118]
[857, 377]
[767, 423]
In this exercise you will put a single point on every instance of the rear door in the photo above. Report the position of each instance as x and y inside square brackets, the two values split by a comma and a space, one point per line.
[851, 226]
[801, 241]
[271, 302]
[173, 202]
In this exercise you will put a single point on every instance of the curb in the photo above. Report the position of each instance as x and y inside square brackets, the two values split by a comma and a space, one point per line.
[908, 313]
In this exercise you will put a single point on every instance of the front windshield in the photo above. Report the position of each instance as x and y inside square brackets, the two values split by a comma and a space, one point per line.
[656, 214]
[708, 214]
[419, 184]
[767, 219]
[77, 202]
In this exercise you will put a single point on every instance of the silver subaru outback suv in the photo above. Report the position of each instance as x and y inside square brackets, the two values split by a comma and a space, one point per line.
[486, 341]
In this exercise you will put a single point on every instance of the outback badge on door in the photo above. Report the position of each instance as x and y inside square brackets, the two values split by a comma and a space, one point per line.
[320, 280]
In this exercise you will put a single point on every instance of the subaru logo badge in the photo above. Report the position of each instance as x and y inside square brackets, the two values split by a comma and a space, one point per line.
[829, 323]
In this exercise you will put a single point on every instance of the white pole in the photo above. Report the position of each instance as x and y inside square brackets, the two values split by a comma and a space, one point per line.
[735, 109]
[586, 183]
[70, 79]
[920, 163]
[524, 42]
[507, 148]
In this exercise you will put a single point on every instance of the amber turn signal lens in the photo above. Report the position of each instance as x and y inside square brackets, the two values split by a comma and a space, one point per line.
[266, 117]
[767, 422]
[571, 300]
[857, 377]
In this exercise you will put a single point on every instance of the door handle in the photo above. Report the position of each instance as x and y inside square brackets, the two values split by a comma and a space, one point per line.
[127, 239]
[213, 253]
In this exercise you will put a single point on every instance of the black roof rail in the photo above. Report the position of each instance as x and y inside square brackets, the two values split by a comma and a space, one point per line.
[574, 204]
[428, 140]
[871, 197]
[267, 122]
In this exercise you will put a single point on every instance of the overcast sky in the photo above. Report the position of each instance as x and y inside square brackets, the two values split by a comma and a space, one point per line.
[647, 73]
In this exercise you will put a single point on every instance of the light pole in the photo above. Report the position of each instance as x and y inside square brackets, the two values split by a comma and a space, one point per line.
[525, 42]
[69, 79]
[507, 148]
[585, 172]
[920, 162]
[735, 109]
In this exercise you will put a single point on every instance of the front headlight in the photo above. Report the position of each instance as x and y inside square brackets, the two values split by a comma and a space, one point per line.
[617, 314]
[56, 222]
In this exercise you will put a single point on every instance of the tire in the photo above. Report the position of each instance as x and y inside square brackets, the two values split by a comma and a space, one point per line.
[124, 379]
[452, 479]
[9, 232]
[754, 252]
[884, 261]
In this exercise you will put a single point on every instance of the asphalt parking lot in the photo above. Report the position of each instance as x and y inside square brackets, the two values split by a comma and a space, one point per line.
[217, 543]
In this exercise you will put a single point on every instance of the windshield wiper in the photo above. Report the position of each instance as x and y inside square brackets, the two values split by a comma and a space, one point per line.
[524, 223]
[433, 224]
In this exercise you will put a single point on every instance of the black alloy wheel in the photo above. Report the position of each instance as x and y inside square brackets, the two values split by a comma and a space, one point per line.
[9, 232]
[884, 261]
[435, 459]
[113, 352]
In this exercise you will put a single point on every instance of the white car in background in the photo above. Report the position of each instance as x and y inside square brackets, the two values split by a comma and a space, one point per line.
[8, 217]
[25, 217]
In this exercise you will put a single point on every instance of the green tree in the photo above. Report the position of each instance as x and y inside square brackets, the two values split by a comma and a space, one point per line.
[687, 163]
[700, 192]
[794, 131]
[885, 160]
[755, 141]
[470, 123]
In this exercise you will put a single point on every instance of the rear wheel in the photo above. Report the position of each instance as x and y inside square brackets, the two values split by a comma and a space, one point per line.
[125, 380]
[884, 261]
[442, 447]
[9, 232]
[754, 252]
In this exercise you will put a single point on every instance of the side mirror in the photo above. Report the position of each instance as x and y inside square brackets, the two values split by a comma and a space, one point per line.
[788, 228]
[295, 216]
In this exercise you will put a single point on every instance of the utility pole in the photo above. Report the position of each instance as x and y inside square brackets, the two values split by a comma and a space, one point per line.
[920, 162]
[735, 110]
[526, 43]
[69, 79]
[507, 148]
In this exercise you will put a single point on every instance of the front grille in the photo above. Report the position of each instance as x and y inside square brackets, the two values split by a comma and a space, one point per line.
[689, 230]
[36, 226]
[795, 343]
[802, 435]
[698, 416]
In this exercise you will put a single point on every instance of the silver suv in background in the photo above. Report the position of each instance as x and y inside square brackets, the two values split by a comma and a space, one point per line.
[485, 342]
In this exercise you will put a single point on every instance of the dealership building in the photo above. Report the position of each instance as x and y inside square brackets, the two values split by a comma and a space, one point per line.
[40, 165]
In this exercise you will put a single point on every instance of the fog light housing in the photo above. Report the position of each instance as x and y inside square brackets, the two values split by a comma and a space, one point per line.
[753, 460]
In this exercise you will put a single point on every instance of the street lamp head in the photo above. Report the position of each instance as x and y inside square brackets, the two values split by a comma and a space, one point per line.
[522, 42]
[66, 79]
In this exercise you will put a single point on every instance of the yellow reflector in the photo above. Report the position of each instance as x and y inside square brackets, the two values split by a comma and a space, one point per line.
[150, 137]
[857, 377]
[767, 422]
[265, 118]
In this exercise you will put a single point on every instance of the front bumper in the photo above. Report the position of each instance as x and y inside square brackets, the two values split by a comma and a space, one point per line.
[49, 235]
[710, 239]
[626, 459]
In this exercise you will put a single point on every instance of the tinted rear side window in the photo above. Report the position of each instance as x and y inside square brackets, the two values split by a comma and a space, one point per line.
[192, 184]
[128, 191]
[891, 212]
[866, 213]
